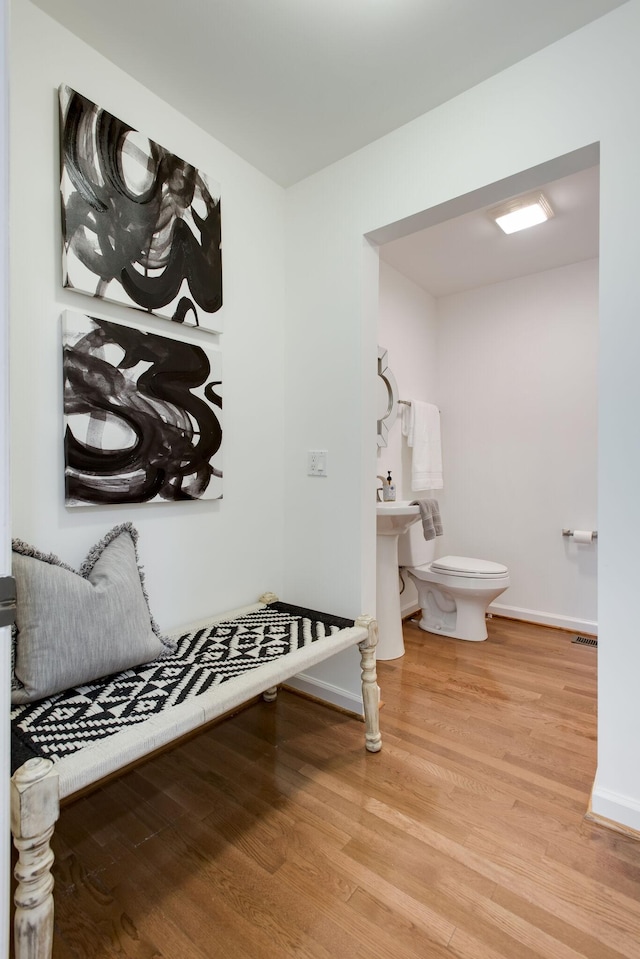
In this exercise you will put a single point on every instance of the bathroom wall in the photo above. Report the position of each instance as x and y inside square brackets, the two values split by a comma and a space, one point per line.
[407, 327]
[199, 557]
[513, 367]
[518, 391]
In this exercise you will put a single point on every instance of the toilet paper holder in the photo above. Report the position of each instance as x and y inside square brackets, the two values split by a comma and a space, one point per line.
[570, 532]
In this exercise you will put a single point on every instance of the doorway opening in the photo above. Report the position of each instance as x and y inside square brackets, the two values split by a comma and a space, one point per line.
[502, 336]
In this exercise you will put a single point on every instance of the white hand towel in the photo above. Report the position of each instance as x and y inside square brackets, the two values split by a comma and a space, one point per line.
[421, 426]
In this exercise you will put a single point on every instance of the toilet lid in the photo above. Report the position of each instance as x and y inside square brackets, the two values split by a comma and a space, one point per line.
[469, 567]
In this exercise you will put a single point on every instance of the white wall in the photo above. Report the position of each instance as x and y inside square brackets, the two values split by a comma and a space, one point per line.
[407, 328]
[577, 92]
[513, 367]
[199, 557]
[5, 534]
[518, 391]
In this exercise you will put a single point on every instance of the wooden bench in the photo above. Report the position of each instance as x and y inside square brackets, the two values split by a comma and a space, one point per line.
[40, 783]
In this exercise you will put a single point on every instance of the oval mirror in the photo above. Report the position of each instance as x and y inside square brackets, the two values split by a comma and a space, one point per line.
[386, 397]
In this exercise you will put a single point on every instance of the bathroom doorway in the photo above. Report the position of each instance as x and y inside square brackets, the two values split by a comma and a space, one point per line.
[501, 332]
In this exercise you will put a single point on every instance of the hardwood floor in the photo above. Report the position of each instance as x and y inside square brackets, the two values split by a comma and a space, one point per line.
[275, 835]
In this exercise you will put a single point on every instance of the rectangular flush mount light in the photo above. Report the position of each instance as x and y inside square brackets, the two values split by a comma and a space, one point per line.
[521, 213]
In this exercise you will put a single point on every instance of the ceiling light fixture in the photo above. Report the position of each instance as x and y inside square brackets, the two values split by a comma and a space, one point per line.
[522, 212]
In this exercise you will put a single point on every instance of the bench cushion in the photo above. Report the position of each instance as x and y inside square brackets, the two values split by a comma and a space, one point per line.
[224, 653]
[75, 627]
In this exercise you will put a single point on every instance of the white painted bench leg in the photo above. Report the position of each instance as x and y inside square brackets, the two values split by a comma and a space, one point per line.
[34, 810]
[370, 691]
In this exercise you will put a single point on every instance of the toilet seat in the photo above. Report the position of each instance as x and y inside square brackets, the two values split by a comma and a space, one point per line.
[468, 567]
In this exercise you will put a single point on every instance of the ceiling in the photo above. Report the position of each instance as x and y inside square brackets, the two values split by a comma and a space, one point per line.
[294, 85]
[471, 251]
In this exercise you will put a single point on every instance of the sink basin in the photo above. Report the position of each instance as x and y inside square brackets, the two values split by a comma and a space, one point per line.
[392, 519]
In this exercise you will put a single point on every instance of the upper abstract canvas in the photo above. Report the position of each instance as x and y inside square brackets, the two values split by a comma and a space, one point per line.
[140, 226]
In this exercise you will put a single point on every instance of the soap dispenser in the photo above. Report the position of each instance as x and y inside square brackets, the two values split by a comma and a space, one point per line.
[389, 489]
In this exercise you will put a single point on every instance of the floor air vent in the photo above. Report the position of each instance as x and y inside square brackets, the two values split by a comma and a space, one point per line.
[585, 640]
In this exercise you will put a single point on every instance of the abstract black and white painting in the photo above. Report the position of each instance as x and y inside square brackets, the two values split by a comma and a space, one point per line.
[140, 226]
[143, 415]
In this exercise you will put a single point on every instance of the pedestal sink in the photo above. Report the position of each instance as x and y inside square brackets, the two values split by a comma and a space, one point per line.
[392, 519]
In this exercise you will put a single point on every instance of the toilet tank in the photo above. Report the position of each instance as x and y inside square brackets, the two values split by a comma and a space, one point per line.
[414, 549]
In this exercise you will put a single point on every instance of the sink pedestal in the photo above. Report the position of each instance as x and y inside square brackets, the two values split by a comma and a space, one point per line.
[388, 610]
[392, 520]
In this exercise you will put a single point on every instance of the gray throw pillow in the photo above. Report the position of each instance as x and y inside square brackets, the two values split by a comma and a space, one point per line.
[76, 627]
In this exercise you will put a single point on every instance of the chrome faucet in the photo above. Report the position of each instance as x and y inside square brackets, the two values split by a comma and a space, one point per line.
[380, 489]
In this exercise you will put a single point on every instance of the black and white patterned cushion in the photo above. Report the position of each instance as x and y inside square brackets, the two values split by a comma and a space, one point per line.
[89, 714]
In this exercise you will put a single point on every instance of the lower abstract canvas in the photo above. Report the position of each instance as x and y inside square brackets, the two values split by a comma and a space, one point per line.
[143, 415]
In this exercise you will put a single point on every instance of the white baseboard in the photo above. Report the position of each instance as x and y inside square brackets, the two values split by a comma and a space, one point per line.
[545, 619]
[327, 693]
[530, 616]
[615, 810]
[409, 610]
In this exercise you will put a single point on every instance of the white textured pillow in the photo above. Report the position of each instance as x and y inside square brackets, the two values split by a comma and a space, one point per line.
[75, 627]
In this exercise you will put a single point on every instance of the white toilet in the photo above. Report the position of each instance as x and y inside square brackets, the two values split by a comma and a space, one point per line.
[453, 591]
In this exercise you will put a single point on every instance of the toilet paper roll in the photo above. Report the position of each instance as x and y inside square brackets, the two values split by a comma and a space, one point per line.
[582, 536]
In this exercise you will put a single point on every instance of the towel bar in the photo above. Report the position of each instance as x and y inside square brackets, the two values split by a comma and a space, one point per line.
[406, 403]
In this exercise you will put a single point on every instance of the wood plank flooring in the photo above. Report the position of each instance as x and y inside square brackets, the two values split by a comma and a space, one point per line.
[274, 834]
